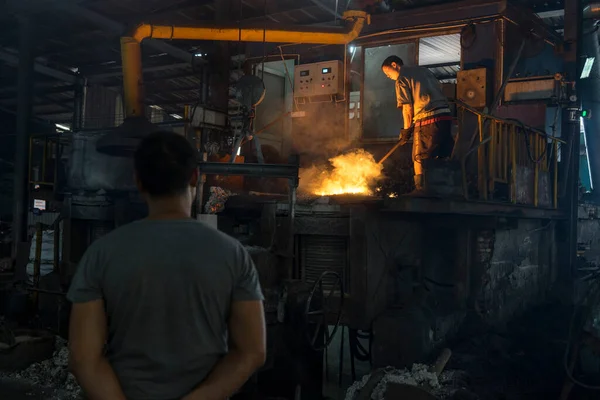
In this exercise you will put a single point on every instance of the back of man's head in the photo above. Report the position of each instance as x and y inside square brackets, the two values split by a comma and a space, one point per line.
[391, 60]
[164, 164]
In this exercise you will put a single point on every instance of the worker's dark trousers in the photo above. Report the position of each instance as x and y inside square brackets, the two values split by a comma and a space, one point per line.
[431, 141]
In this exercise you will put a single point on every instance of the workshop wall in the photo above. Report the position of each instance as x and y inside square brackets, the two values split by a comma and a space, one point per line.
[518, 269]
[588, 234]
[512, 269]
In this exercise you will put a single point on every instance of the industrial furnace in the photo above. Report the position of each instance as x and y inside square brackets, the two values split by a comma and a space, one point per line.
[348, 249]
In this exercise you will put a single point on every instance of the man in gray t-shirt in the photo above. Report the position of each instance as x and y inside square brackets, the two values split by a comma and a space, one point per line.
[177, 302]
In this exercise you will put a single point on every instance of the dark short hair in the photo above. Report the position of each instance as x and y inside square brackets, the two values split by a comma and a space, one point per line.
[392, 59]
[164, 164]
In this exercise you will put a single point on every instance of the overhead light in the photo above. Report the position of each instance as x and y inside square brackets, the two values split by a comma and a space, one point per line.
[156, 107]
[351, 49]
[63, 127]
[176, 116]
[587, 67]
[198, 55]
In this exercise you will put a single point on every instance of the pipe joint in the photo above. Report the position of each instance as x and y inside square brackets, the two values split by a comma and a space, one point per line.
[356, 14]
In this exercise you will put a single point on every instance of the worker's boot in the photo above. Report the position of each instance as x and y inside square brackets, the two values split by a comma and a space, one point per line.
[419, 190]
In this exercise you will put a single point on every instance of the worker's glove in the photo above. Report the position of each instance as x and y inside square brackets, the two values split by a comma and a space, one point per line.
[405, 135]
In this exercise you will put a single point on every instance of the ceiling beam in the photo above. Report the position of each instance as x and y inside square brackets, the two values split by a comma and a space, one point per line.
[280, 12]
[8, 93]
[13, 60]
[119, 73]
[324, 7]
[119, 29]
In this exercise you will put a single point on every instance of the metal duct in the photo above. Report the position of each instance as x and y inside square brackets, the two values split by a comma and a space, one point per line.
[590, 99]
[320, 253]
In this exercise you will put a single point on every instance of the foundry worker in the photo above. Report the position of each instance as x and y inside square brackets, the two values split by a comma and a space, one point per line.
[425, 112]
[177, 302]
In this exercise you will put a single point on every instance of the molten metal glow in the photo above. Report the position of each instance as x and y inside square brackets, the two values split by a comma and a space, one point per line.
[352, 173]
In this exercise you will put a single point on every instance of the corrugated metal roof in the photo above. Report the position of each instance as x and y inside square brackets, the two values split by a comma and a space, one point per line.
[439, 49]
[69, 42]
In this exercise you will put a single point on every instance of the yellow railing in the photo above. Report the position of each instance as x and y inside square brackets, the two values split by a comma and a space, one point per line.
[506, 147]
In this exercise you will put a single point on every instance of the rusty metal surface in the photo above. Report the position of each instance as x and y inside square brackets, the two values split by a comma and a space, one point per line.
[322, 226]
[525, 185]
[545, 189]
[531, 89]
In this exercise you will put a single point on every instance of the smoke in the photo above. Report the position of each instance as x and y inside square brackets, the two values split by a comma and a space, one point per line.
[321, 134]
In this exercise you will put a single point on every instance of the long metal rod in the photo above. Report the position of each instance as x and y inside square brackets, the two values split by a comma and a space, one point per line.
[389, 153]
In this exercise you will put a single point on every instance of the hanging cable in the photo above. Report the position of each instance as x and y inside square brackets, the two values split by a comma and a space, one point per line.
[528, 143]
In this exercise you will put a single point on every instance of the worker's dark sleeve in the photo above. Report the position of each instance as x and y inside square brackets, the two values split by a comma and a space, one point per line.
[86, 284]
[403, 92]
[247, 284]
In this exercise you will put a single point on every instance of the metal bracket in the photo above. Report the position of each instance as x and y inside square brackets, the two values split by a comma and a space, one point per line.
[259, 170]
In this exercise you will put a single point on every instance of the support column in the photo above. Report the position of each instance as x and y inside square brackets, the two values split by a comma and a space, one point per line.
[24, 109]
[570, 130]
[219, 79]
[78, 104]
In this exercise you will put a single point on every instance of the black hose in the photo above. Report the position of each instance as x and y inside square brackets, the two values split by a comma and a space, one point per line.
[357, 350]
[528, 144]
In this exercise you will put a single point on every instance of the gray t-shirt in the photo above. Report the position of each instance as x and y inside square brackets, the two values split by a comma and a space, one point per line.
[419, 87]
[167, 287]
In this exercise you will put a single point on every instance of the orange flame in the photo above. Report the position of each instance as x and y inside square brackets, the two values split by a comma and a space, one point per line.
[352, 173]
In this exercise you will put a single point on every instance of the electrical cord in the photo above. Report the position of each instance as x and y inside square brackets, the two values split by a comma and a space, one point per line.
[528, 143]
[358, 350]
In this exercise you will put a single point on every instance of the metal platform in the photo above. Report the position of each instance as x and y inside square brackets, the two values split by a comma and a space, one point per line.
[472, 208]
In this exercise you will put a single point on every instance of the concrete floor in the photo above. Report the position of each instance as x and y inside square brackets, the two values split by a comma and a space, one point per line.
[15, 390]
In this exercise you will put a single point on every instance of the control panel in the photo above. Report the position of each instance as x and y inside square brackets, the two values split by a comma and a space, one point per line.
[319, 79]
[304, 77]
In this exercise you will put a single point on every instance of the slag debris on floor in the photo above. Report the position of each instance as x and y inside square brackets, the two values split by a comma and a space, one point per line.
[443, 387]
[53, 373]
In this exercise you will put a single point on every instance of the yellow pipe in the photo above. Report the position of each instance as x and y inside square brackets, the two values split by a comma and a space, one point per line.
[133, 86]
[132, 59]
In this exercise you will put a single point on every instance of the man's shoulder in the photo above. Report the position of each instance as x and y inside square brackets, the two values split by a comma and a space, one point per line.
[196, 231]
